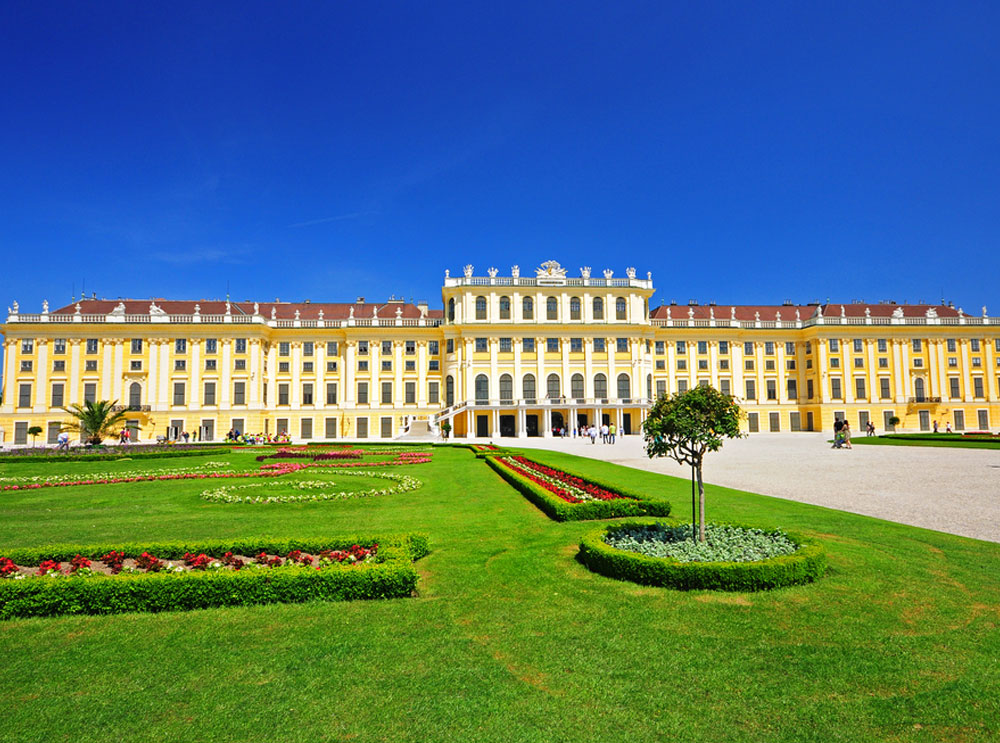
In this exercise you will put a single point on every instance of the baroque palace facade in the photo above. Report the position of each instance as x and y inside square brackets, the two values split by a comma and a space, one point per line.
[506, 356]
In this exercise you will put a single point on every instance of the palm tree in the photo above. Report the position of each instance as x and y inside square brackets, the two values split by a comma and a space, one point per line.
[95, 420]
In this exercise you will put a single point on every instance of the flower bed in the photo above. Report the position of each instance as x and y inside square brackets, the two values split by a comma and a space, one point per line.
[404, 455]
[567, 497]
[104, 454]
[656, 555]
[314, 490]
[105, 579]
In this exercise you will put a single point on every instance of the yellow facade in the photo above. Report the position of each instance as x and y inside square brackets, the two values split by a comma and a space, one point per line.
[507, 356]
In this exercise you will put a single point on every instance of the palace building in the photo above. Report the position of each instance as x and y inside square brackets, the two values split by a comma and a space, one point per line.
[505, 356]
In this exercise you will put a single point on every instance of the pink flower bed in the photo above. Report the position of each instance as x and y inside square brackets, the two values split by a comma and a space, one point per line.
[568, 487]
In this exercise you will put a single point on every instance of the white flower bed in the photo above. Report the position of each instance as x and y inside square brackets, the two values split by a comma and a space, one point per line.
[722, 543]
[231, 493]
[124, 474]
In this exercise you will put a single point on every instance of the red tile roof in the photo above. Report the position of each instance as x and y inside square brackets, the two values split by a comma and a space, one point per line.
[768, 313]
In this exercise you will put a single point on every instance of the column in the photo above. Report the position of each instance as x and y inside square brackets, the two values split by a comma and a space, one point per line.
[900, 370]
[194, 394]
[522, 422]
[41, 376]
[612, 374]
[107, 347]
[118, 373]
[848, 370]
[588, 367]
[73, 393]
[671, 367]
[966, 373]
[518, 376]
[397, 367]
[495, 418]
[151, 372]
[319, 394]
[541, 389]
[468, 371]
[422, 400]
[163, 388]
[824, 372]
[736, 367]
[295, 398]
[933, 367]
[565, 387]
[9, 354]
[225, 378]
[494, 346]
[350, 364]
[713, 363]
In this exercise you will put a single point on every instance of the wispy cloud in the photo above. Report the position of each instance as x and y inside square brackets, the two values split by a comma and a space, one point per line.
[337, 218]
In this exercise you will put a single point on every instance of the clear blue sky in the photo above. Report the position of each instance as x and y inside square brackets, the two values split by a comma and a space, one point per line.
[742, 152]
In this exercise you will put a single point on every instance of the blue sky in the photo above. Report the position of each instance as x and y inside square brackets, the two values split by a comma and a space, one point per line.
[743, 153]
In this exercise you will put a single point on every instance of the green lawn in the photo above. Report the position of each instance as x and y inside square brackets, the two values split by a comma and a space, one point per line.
[510, 638]
[954, 440]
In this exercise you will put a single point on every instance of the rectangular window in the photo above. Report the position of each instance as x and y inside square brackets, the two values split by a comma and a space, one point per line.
[27, 345]
[506, 345]
[54, 428]
[410, 393]
[552, 345]
[331, 350]
[410, 348]
[977, 387]
[240, 364]
[682, 364]
[682, 385]
[90, 392]
[434, 365]
[954, 391]
[362, 425]
[918, 362]
[180, 345]
[482, 345]
[768, 348]
[284, 366]
[239, 393]
[835, 362]
[883, 362]
[209, 393]
[386, 348]
[661, 386]
[284, 348]
[386, 428]
[307, 393]
[307, 367]
[59, 346]
[576, 345]
[211, 345]
[681, 346]
[702, 364]
[789, 348]
[331, 393]
[433, 348]
[449, 345]
[386, 365]
[331, 366]
[974, 343]
[809, 389]
[834, 345]
[241, 345]
[621, 345]
[178, 393]
[753, 422]
[723, 347]
[331, 428]
[748, 348]
[283, 393]
[308, 349]
[660, 347]
[92, 345]
[362, 366]
[282, 425]
[976, 361]
[884, 390]
[702, 347]
[959, 420]
[772, 389]
[26, 365]
[835, 391]
[883, 345]
[768, 364]
[790, 364]
[433, 393]
[133, 365]
[751, 389]
[792, 389]
[599, 346]
[24, 396]
[137, 345]
[724, 364]
[387, 393]
[57, 395]
[859, 388]
[809, 347]
[211, 364]
[363, 348]
[859, 345]
[661, 364]
[363, 393]
[917, 345]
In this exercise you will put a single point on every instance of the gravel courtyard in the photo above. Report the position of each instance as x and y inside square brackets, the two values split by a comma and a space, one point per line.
[947, 489]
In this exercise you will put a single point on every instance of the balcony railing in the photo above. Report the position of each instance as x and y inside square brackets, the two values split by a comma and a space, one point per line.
[922, 399]
[136, 408]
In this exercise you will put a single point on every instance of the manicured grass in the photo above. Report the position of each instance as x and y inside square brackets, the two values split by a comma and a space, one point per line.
[959, 441]
[510, 638]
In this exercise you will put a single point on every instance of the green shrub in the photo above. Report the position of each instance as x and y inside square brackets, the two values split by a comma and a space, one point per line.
[633, 504]
[804, 566]
[390, 575]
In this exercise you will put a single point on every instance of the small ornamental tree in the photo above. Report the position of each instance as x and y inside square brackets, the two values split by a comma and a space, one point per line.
[685, 427]
[34, 432]
[95, 420]
[445, 429]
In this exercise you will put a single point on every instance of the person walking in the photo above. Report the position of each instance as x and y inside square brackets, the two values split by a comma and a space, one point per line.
[593, 434]
[846, 433]
[871, 428]
[63, 441]
[612, 430]
[604, 433]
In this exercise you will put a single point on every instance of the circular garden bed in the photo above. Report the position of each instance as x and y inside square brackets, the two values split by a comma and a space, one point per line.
[733, 557]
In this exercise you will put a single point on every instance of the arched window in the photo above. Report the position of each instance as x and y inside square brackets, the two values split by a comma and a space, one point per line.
[506, 387]
[527, 309]
[482, 388]
[134, 395]
[576, 386]
[574, 308]
[600, 386]
[528, 386]
[624, 387]
[552, 386]
[449, 391]
[451, 310]
[552, 308]
[918, 388]
[480, 308]
[649, 386]
[598, 308]
[505, 308]
[620, 308]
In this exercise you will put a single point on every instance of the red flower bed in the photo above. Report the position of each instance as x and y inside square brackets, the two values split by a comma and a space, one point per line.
[553, 480]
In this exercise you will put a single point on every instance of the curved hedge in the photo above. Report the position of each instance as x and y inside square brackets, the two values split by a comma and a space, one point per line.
[806, 565]
[391, 575]
[633, 504]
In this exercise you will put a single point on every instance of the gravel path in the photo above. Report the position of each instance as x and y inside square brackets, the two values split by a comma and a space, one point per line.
[947, 489]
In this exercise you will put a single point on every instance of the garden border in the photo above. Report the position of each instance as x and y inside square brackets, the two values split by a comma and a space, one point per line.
[633, 504]
[806, 565]
[109, 457]
[391, 575]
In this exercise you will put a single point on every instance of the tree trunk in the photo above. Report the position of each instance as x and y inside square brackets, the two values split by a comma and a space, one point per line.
[701, 505]
[694, 508]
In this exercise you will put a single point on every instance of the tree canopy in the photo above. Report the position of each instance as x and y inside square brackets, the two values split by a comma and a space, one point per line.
[95, 420]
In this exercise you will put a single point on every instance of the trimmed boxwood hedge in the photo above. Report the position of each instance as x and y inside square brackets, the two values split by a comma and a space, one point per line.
[633, 504]
[391, 575]
[105, 457]
[804, 566]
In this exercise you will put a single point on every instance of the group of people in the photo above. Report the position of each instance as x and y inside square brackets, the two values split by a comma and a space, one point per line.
[256, 438]
[842, 433]
[607, 432]
[947, 427]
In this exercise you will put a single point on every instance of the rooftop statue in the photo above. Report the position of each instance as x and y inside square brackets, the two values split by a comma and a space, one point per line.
[551, 270]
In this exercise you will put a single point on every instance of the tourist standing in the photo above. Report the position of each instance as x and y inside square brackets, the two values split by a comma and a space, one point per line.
[846, 433]
[63, 441]
[612, 430]
[838, 439]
